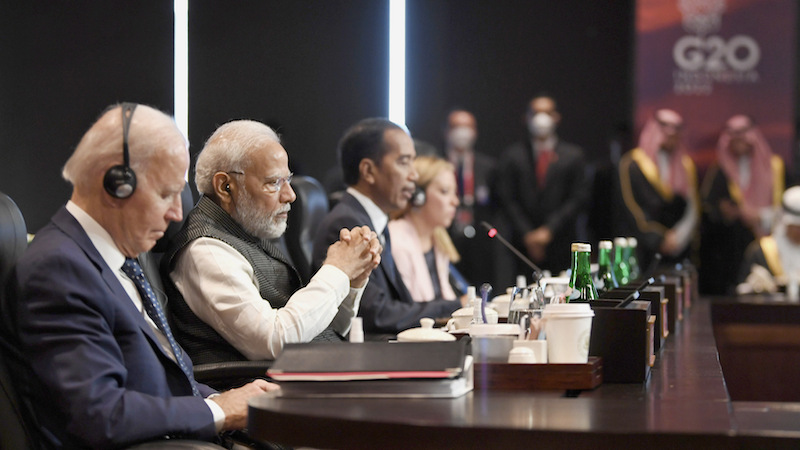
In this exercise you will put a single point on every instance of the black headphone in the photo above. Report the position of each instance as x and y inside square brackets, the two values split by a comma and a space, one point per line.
[418, 197]
[120, 180]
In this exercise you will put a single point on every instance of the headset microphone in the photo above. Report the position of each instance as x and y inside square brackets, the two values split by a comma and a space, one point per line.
[120, 180]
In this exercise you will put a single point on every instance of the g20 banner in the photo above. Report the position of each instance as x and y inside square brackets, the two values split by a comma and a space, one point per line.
[711, 59]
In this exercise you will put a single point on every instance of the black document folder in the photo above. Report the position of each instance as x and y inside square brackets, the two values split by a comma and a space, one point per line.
[369, 361]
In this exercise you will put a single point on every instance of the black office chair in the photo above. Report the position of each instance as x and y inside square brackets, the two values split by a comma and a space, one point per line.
[305, 216]
[17, 433]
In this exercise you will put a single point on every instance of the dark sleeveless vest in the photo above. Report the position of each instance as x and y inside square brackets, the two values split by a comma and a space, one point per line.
[277, 281]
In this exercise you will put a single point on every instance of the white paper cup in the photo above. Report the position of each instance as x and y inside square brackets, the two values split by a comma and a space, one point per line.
[568, 327]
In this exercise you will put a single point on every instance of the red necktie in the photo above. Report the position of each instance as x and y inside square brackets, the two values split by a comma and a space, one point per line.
[545, 157]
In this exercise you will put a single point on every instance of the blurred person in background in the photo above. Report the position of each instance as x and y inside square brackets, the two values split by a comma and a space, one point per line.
[774, 260]
[741, 193]
[474, 173]
[659, 189]
[543, 188]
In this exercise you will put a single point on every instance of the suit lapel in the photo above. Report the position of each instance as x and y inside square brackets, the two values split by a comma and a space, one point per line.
[70, 226]
[361, 216]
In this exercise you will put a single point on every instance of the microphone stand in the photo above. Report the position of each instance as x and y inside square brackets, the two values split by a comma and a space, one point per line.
[493, 233]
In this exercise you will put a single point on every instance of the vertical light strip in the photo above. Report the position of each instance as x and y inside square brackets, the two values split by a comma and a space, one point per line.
[181, 65]
[397, 61]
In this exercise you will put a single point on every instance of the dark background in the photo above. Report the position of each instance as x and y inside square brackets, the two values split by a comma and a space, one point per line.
[309, 68]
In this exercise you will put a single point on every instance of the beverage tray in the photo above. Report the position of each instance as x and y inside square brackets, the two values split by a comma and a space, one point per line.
[536, 377]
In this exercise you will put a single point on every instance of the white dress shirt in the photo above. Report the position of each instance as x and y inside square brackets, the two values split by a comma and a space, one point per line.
[221, 289]
[108, 250]
[376, 215]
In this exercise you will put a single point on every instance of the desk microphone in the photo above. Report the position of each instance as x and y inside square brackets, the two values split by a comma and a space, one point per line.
[492, 231]
[637, 292]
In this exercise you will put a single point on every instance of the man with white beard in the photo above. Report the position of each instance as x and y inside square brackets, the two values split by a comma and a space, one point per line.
[232, 294]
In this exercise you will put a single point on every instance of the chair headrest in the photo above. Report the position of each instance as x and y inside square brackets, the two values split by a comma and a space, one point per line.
[13, 234]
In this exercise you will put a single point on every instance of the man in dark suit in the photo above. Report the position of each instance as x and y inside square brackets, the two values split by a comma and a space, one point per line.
[475, 179]
[377, 162]
[542, 188]
[105, 370]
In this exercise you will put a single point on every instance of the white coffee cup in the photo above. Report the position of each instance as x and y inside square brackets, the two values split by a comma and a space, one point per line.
[462, 318]
[568, 327]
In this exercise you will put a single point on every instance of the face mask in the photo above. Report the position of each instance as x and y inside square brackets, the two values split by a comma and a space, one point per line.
[542, 125]
[461, 137]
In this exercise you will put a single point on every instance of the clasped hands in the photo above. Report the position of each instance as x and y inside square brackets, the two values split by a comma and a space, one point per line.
[356, 253]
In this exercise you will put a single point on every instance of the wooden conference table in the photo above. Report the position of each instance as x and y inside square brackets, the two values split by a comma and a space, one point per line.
[683, 405]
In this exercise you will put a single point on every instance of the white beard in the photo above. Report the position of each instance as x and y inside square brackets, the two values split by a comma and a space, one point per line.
[261, 225]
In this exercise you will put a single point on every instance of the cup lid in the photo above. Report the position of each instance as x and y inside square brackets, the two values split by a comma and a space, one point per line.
[426, 333]
[567, 310]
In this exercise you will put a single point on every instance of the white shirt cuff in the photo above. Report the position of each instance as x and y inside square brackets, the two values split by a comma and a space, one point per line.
[217, 412]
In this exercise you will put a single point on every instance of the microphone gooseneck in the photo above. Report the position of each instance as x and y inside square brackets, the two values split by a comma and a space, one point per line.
[492, 232]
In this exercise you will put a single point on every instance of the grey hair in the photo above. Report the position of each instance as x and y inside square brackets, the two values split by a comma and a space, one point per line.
[229, 150]
[101, 147]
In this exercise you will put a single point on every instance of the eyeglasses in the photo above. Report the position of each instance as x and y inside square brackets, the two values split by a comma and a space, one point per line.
[274, 186]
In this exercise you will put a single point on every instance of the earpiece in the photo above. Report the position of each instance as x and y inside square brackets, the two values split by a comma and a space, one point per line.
[418, 198]
[227, 188]
[120, 180]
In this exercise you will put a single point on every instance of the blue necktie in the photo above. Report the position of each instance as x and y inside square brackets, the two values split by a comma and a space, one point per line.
[154, 310]
[387, 261]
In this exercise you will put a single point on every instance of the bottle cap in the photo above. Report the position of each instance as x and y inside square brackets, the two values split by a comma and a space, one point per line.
[581, 247]
[632, 242]
[605, 245]
[621, 242]
[521, 281]
[470, 293]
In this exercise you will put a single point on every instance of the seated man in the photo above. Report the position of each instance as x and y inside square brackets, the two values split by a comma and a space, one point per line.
[232, 294]
[773, 260]
[105, 371]
[377, 161]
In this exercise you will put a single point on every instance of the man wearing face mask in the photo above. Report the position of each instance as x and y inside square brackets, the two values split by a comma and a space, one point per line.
[659, 188]
[542, 188]
[474, 174]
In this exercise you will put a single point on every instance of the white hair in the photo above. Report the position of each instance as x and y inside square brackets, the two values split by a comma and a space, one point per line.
[229, 150]
[101, 147]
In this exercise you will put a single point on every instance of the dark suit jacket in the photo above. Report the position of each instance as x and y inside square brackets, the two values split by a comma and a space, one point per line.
[100, 378]
[386, 307]
[556, 205]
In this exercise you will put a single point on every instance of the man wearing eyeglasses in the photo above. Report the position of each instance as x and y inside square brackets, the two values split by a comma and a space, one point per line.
[232, 294]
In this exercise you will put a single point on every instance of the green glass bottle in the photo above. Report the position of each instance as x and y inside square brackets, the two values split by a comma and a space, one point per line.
[633, 262]
[581, 286]
[606, 280]
[621, 268]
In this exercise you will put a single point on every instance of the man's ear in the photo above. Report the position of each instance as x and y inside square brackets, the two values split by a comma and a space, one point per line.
[366, 170]
[224, 188]
[556, 117]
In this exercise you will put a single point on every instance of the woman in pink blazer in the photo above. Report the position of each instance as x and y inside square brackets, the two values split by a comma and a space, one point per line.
[421, 247]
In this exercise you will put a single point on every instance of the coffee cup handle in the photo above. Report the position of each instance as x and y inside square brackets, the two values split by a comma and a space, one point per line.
[451, 325]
